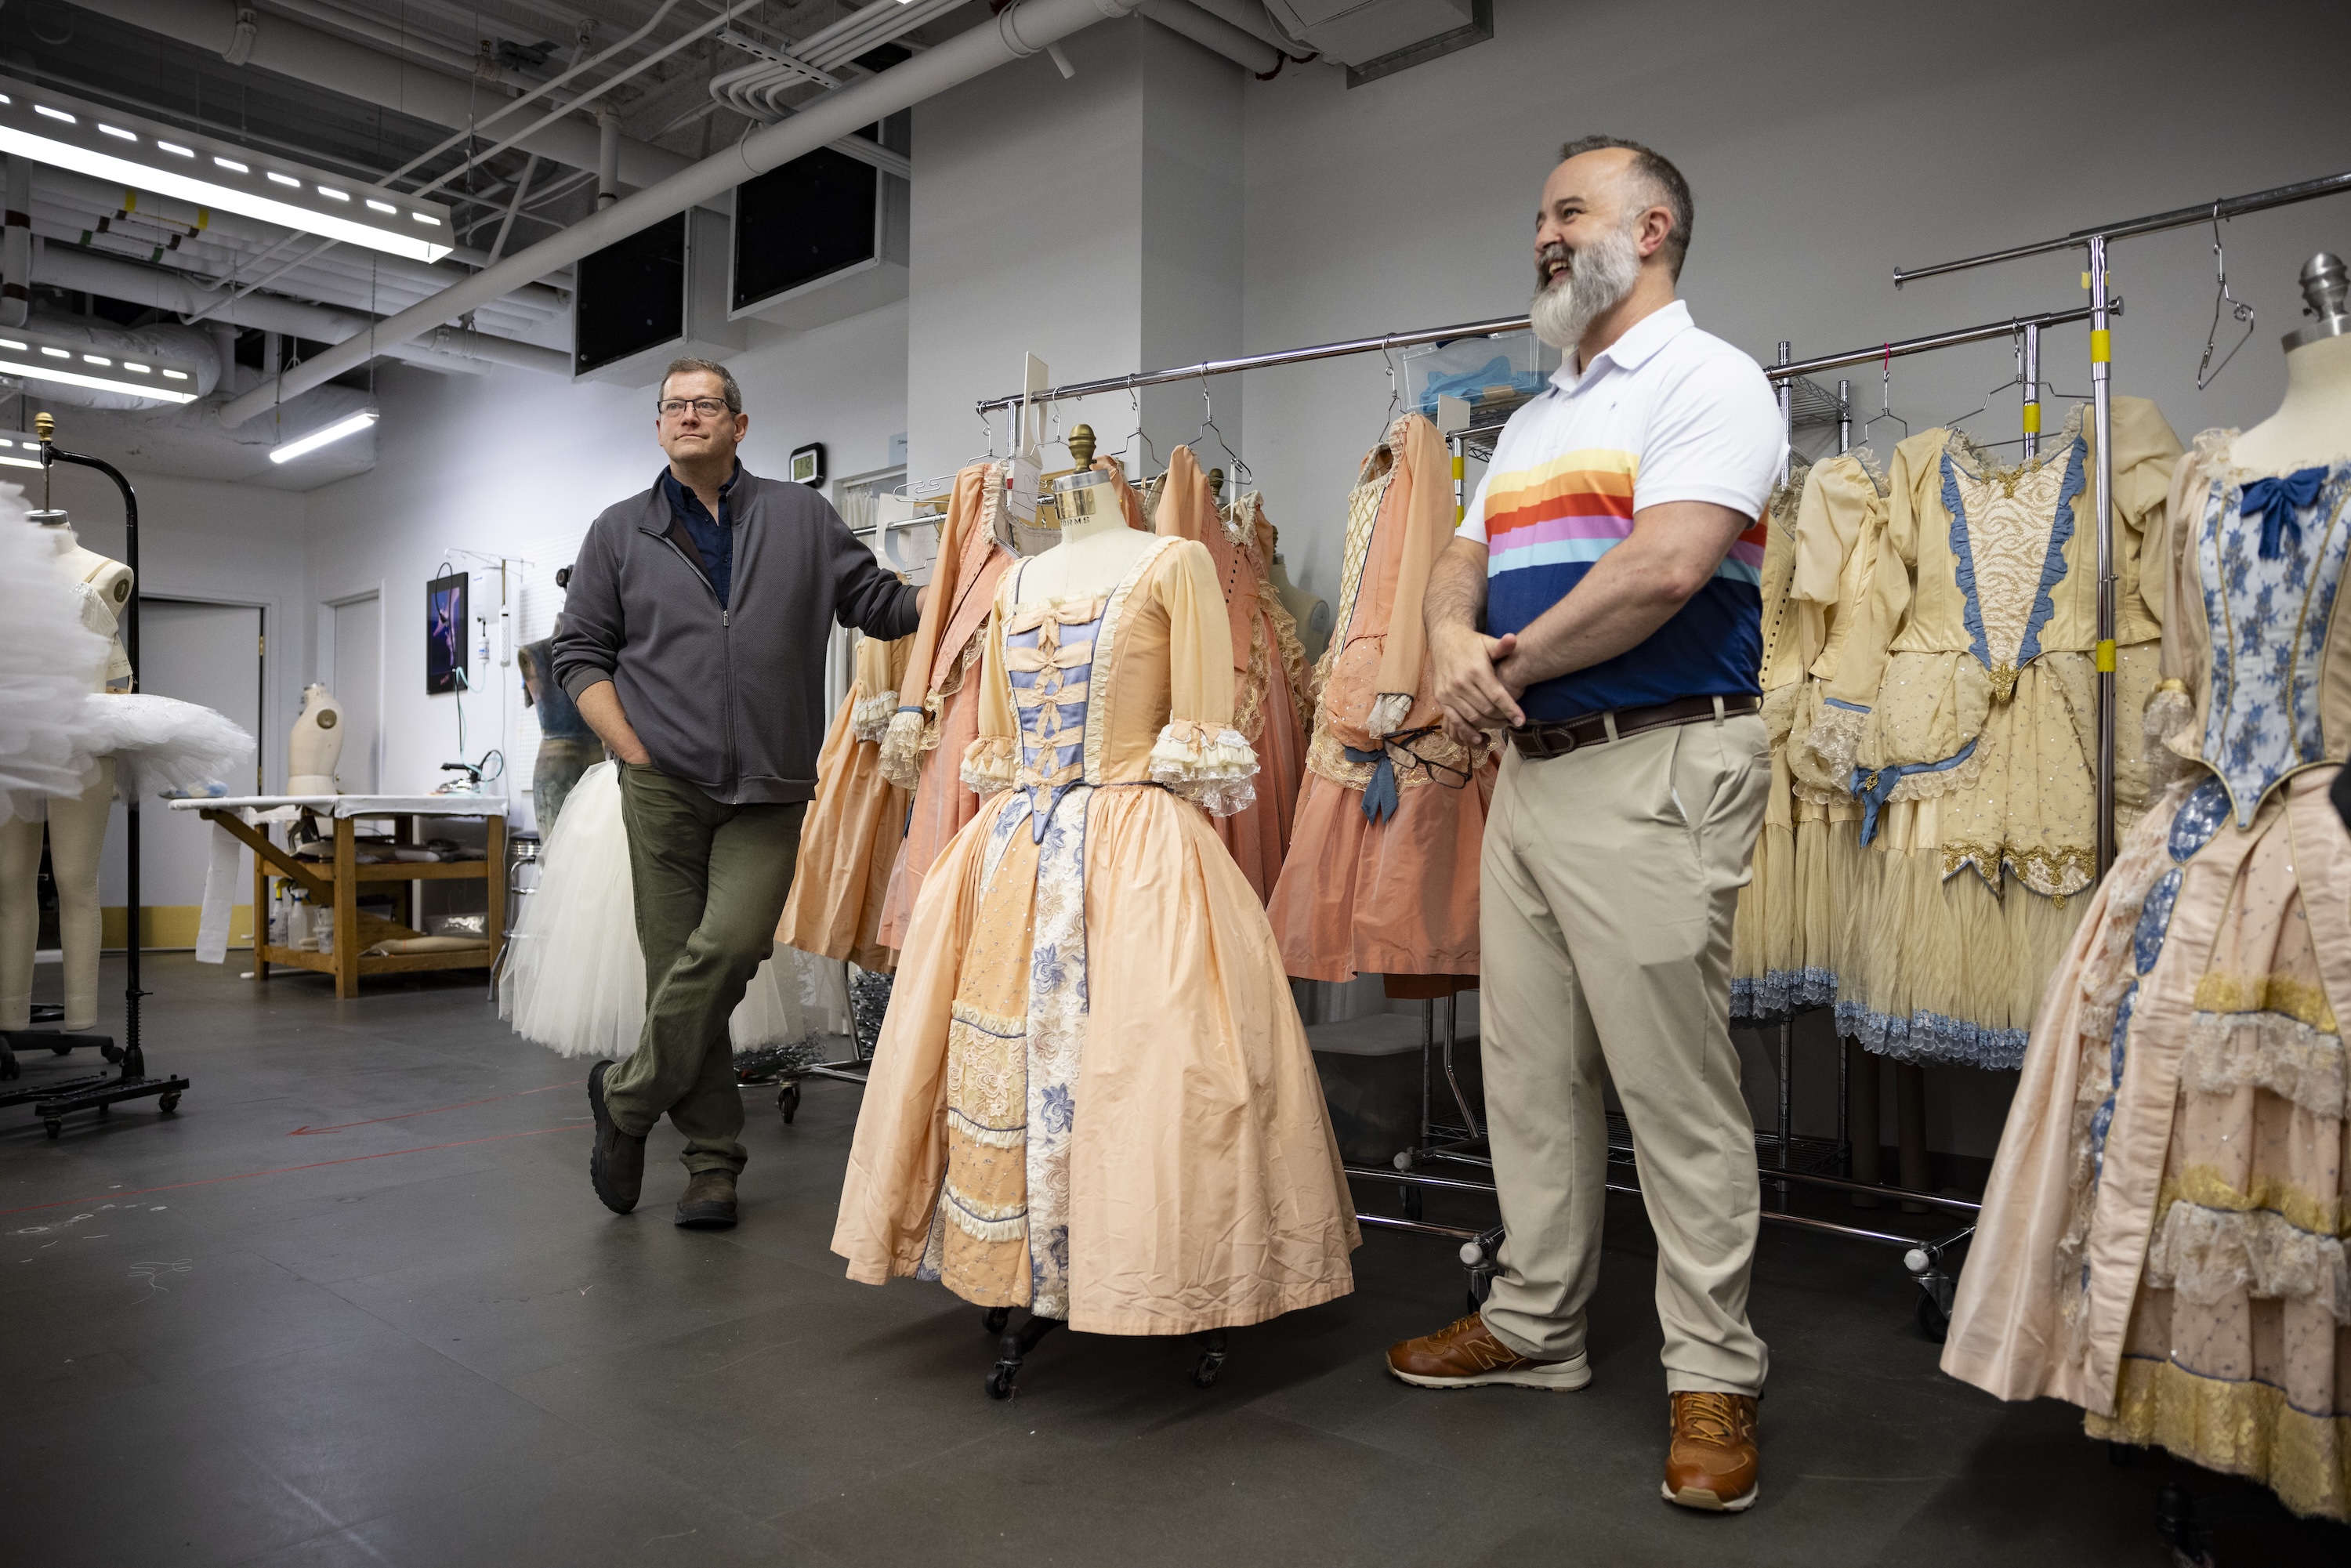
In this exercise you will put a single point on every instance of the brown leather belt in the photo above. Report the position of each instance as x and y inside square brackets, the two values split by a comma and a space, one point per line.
[1537, 742]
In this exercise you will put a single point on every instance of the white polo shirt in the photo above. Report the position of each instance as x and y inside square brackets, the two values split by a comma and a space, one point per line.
[1667, 412]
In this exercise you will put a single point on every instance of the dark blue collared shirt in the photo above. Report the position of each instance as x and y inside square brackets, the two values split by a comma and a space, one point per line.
[713, 538]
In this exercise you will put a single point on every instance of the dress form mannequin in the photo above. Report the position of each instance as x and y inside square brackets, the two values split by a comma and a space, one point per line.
[316, 744]
[77, 823]
[2313, 424]
[1097, 547]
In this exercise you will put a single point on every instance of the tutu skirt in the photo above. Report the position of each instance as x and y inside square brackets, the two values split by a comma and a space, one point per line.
[574, 979]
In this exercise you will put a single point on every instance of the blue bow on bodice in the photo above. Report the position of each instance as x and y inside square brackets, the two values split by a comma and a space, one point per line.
[2277, 500]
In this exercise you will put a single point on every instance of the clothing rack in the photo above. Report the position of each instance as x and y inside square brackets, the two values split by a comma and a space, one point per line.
[2094, 243]
[96, 1092]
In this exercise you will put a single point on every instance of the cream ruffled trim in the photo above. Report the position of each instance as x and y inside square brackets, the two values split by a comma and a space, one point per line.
[1389, 710]
[2170, 712]
[988, 763]
[1833, 742]
[903, 748]
[2228, 1051]
[870, 718]
[1209, 768]
[2208, 1255]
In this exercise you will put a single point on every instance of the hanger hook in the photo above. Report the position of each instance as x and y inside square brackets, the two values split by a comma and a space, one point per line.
[2206, 372]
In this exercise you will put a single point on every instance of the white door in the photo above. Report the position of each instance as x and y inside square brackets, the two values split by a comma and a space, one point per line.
[354, 672]
[208, 655]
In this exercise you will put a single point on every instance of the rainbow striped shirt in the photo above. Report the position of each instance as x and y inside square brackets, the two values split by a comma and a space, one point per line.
[1664, 413]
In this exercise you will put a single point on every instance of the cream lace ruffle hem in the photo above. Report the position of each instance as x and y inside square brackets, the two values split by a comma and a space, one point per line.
[1209, 765]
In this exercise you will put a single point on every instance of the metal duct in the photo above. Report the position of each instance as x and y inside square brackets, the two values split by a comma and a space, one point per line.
[1215, 34]
[185, 343]
[1021, 30]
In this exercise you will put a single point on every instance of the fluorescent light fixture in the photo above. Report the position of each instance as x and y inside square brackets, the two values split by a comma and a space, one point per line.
[303, 444]
[125, 149]
[37, 359]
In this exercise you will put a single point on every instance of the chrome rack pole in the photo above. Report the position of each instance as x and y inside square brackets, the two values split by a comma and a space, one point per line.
[2102, 413]
[2155, 223]
[2032, 389]
[1845, 412]
[1786, 389]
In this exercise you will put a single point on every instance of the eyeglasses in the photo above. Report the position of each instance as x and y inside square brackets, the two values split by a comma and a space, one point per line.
[707, 407]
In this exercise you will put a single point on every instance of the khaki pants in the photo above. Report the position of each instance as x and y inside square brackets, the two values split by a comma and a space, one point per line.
[1609, 879]
[710, 883]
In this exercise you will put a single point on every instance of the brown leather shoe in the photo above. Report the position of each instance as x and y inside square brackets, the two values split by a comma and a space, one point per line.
[709, 1201]
[1711, 1463]
[1466, 1354]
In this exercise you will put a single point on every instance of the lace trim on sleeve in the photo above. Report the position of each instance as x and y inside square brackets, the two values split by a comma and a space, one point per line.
[1834, 742]
[1389, 710]
[870, 717]
[902, 745]
[988, 763]
[1209, 765]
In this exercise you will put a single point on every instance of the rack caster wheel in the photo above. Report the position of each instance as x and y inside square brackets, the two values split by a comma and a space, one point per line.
[108, 1052]
[1211, 1361]
[999, 1382]
[788, 1101]
[53, 1125]
[112, 1052]
[168, 1104]
[1933, 1322]
[995, 1319]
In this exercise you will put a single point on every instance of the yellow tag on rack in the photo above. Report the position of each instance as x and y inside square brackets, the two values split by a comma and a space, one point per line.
[2031, 419]
[2102, 347]
[2105, 651]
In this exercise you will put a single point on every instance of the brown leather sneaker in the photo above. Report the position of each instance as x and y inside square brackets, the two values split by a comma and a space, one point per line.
[1711, 1463]
[1466, 1354]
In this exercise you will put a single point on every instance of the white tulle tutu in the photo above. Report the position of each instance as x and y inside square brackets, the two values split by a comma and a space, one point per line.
[574, 979]
[163, 743]
[49, 661]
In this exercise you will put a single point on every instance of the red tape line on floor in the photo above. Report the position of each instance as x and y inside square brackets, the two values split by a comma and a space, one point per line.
[287, 1170]
[306, 1131]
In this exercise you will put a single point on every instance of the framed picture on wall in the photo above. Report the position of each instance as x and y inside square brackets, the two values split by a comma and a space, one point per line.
[445, 635]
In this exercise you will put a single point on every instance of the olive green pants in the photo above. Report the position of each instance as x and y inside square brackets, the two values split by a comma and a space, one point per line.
[710, 882]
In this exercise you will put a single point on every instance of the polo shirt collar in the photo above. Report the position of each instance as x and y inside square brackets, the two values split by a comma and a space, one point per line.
[1634, 348]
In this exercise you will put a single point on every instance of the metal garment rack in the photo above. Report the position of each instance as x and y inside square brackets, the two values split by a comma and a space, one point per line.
[52, 1102]
[2094, 242]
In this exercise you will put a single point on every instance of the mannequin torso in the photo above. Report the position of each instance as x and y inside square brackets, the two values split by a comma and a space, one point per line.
[2312, 426]
[1097, 549]
[106, 588]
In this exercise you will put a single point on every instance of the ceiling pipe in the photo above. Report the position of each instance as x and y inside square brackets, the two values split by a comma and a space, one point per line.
[385, 33]
[63, 266]
[1021, 30]
[340, 65]
[1215, 34]
[1251, 17]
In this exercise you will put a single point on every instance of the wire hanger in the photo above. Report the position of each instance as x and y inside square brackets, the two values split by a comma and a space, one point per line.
[1886, 397]
[2238, 308]
[2016, 343]
[1237, 469]
[1395, 396]
[1139, 433]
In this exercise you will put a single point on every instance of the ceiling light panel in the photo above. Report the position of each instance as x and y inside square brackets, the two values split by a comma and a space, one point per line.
[40, 357]
[123, 149]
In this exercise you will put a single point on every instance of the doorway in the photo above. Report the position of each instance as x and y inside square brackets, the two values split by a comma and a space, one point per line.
[352, 665]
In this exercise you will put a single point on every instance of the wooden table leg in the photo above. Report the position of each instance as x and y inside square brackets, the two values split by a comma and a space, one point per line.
[496, 866]
[347, 911]
[260, 919]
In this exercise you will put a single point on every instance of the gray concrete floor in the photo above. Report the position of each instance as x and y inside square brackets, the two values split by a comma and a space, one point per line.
[354, 1303]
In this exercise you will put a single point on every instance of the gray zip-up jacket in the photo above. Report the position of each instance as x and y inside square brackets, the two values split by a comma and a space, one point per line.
[729, 697]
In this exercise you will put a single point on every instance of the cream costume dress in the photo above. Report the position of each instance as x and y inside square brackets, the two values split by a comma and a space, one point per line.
[2162, 1239]
[1963, 711]
[1092, 1095]
[851, 836]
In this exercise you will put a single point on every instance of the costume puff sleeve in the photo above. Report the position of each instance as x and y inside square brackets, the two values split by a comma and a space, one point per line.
[875, 684]
[1852, 692]
[1427, 518]
[989, 762]
[1199, 755]
[1832, 522]
[914, 728]
[2146, 453]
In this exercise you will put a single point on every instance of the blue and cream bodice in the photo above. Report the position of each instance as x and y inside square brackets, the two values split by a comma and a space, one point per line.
[1049, 657]
[2268, 555]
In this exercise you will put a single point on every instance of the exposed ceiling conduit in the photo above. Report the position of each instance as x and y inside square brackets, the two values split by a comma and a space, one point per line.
[1251, 17]
[1020, 30]
[404, 40]
[62, 267]
[341, 65]
[1215, 34]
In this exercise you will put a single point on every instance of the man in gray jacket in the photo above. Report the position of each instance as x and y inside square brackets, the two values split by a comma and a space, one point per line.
[693, 641]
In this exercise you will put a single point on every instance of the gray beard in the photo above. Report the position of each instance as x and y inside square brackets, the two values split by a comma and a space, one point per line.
[1598, 277]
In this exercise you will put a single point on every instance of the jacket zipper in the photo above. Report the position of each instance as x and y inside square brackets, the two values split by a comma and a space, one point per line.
[725, 644]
